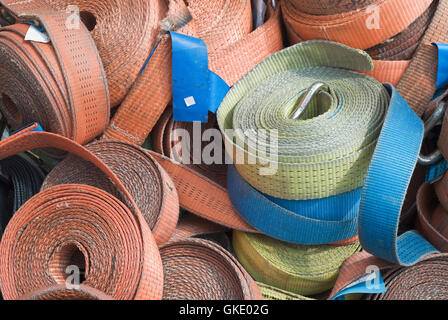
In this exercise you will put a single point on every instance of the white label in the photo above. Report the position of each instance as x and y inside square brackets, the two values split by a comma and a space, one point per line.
[189, 101]
[35, 35]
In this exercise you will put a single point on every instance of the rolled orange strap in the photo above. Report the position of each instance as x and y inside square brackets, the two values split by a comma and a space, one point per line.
[419, 83]
[121, 257]
[148, 183]
[62, 85]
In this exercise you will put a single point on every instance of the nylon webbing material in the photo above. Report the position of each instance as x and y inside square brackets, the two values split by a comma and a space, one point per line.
[389, 175]
[305, 270]
[65, 80]
[322, 159]
[149, 271]
[389, 31]
[24, 179]
[327, 153]
[308, 222]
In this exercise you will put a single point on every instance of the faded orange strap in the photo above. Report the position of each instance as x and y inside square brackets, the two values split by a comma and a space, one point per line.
[149, 185]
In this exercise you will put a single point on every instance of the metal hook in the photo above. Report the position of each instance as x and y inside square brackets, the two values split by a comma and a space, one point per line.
[434, 119]
[307, 97]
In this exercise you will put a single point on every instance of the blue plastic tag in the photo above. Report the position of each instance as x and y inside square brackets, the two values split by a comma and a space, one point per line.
[196, 89]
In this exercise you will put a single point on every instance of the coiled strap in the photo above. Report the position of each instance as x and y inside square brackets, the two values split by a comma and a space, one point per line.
[419, 83]
[325, 153]
[25, 177]
[390, 172]
[149, 185]
[233, 51]
[62, 85]
[124, 32]
[272, 293]
[389, 31]
[26, 180]
[60, 292]
[428, 279]
[197, 269]
[304, 270]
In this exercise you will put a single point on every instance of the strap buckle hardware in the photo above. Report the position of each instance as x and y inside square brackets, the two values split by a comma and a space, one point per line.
[307, 97]
[433, 120]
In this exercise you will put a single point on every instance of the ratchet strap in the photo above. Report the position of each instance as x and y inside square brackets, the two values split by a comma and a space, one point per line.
[197, 269]
[425, 280]
[304, 270]
[389, 31]
[317, 162]
[225, 26]
[149, 185]
[121, 237]
[61, 84]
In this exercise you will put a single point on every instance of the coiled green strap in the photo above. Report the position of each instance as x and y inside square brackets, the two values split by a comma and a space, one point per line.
[303, 270]
[324, 153]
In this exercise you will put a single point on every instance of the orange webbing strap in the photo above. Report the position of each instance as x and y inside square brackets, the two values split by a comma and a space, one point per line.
[151, 278]
[80, 66]
[208, 266]
[354, 268]
[149, 185]
[389, 68]
[388, 71]
[202, 196]
[60, 292]
[231, 55]
[352, 28]
[419, 82]
[124, 32]
[147, 99]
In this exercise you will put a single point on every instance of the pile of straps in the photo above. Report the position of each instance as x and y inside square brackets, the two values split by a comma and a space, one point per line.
[324, 157]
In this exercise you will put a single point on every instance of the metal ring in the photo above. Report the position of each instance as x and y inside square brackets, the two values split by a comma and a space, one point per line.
[307, 97]
[434, 119]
